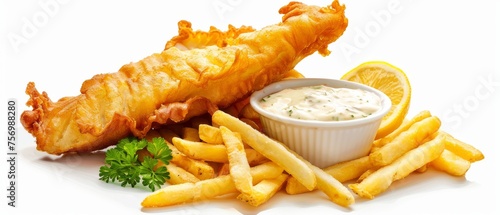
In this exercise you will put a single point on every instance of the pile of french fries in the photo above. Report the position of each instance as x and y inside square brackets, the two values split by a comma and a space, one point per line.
[227, 153]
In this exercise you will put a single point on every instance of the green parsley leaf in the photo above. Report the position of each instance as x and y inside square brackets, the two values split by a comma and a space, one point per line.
[122, 163]
[151, 177]
[159, 151]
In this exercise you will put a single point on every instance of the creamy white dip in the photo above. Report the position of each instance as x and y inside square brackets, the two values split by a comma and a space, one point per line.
[322, 103]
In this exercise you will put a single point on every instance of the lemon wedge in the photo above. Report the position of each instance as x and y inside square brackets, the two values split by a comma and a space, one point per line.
[390, 80]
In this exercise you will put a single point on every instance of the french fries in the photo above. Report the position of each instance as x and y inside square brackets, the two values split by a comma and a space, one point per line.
[404, 126]
[414, 147]
[179, 175]
[464, 150]
[335, 190]
[239, 169]
[198, 168]
[343, 172]
[231, 155]
[405, 141]
[457, 157]
[380, 180]
[451, 163]
[269, 148]
[201, 151]
[206, 189]
[210, 134]
[263, 191]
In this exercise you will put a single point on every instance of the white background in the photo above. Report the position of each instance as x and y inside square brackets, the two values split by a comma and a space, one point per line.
[447, 49]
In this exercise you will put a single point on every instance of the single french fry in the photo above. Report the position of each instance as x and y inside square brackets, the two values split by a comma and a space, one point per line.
[210, 134]
[264, 171]
[345, 171]
[239, 169]
[424, 168]
[206, 189]
[190, 134]
[263, 191]
[268, 147]
[179, 175]
[381, 179]
[405, 141]
[201, 151]
[451, 163]
[462, 149]
[209, 152]
[403, 127]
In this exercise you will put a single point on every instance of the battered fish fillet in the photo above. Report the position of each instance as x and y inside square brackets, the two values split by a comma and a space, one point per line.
[198, 72]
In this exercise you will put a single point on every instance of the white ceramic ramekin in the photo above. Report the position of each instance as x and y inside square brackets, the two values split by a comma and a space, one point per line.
[322, 143]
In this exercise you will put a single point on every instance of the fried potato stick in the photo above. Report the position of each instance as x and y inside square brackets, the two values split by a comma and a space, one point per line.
[462, 149]
[343, 172]
[201, 150]
[381, 179]
[405, 141]
[179, 175]
[405, 126]
[210, 134]
[206, 189]
[239, 169]
[451, 163]
[263, 191]
[268, 147]
[200, 169]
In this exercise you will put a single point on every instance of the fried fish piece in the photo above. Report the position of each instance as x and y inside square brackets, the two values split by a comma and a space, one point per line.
[179, 83]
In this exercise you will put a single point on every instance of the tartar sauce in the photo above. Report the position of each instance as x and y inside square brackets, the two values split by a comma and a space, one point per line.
[322, 103]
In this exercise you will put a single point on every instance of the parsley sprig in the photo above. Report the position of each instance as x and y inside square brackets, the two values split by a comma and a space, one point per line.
[123, 165]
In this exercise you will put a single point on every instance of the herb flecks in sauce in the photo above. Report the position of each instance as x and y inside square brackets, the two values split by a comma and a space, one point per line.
[322, 103]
